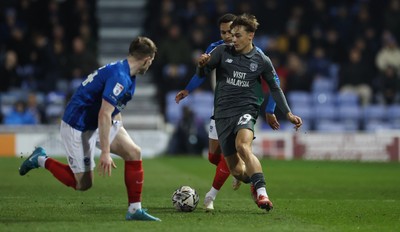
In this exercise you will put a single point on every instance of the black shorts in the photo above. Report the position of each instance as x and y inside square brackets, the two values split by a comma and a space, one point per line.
[227, 129]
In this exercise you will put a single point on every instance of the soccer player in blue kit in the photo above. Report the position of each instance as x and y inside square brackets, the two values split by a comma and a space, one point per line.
[93, 118]
[215, 155]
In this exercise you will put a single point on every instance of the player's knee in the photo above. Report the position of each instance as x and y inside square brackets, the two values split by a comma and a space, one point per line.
[134, 153]
[214, 159]
[84, 184]
[84, 187]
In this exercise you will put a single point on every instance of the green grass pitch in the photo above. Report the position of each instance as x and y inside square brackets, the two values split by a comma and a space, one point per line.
[307, 195]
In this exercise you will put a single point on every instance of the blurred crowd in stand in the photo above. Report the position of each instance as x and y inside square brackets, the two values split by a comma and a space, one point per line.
[46, 48]
[327, 47]
[316, 46]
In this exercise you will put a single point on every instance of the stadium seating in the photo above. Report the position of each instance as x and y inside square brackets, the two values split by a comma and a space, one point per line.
[320, 111]
[173, 110]
[323, 84]
[304, 111]
[393, 116]
[347, 99]
[329, 126]
[201, 103]
[372, 126]
[325, 112]
[323, 98]
[299, 98]
[55, 104]
[350, 116]
[374, 113]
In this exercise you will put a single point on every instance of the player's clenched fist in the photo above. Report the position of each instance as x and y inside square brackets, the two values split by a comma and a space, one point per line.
[203, 60]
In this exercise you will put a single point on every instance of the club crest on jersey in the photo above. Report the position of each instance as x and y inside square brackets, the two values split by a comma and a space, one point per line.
[118, 89]
[253, 67]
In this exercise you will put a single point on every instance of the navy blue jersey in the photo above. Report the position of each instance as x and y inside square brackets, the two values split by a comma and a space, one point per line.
[112, 83]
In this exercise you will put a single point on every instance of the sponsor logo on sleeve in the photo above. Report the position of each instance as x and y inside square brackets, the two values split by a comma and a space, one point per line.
[118, 89]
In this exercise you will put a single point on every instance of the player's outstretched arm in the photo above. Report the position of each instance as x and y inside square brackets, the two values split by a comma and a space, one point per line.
[270, 109]
[193, 84]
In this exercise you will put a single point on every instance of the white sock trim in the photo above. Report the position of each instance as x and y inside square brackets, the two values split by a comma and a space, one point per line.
[262, 191]
[212, 193]
[42, 161]
[134, 206]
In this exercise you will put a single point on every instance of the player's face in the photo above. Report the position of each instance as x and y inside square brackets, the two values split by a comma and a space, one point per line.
[147, 63]
[225, 31]
[242, 40]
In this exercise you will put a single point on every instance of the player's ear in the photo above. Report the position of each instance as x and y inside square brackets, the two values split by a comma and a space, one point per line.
[146, 60]
[251, 35]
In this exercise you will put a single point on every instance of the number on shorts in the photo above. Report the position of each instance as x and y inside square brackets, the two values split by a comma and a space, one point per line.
[244, 119]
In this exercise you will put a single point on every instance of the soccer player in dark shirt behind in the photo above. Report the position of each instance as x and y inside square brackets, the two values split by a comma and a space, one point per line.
[238, 97]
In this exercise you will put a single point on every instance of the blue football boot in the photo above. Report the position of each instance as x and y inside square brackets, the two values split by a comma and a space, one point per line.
[140, 215]
[32, 161]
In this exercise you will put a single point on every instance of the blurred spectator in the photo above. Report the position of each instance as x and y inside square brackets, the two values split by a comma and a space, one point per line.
[81, 62]
[19, 115]
[392, 18]
[343, 23]
[19, 43]
[270, 13]
[173, 61]
[42, 57]
[59, 69]
[294, 40]
[189, 136]
[334, 46]
[297, 77]
[9, 77]
[319, 64]
[355, 77]
[10, 23]
[198, 39]
[389, 54]
[367, 53]
[318, 12]
[389, 85]
[89, 40]
[36, 109]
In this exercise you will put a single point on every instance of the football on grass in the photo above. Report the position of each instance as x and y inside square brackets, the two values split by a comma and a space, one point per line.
[185, 199]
